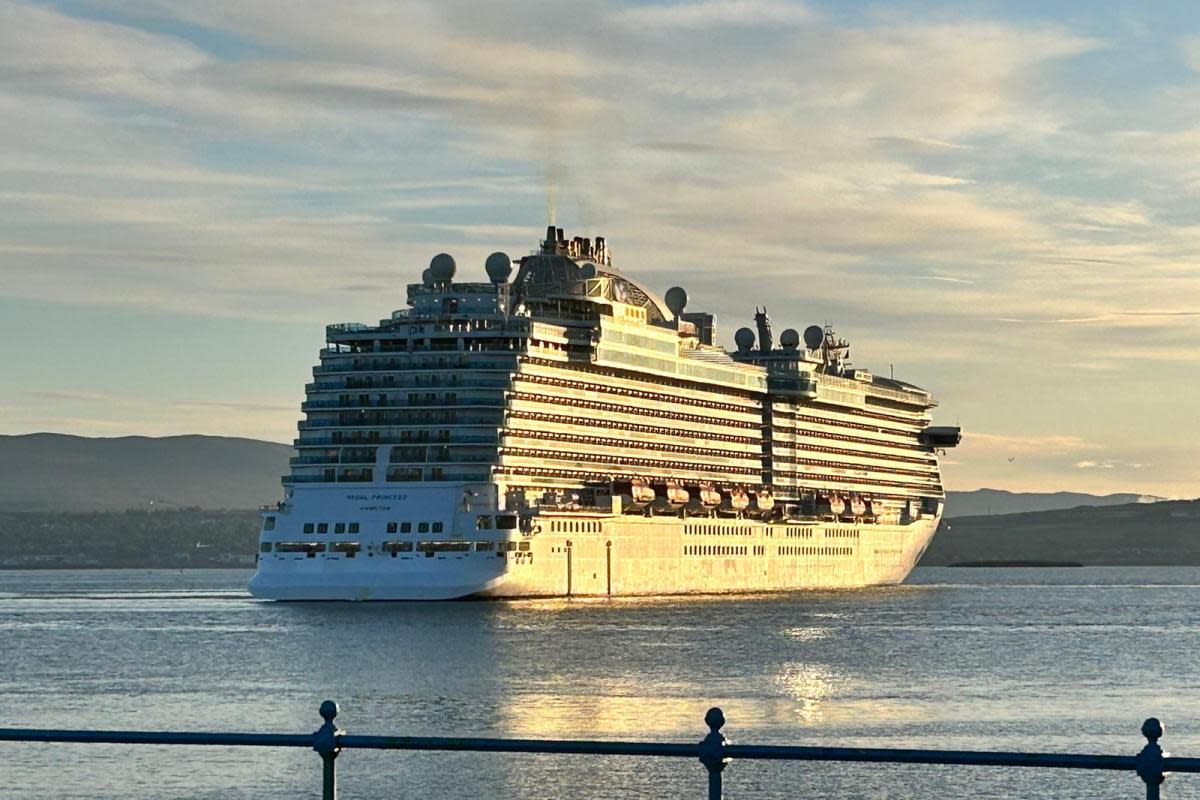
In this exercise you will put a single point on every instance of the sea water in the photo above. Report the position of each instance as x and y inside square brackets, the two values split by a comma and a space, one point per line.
[1065, 660]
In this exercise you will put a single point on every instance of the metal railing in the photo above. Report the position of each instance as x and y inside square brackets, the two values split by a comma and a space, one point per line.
[714, 751]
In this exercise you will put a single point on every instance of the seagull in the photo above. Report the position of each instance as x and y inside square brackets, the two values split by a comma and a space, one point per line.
[1012, 458]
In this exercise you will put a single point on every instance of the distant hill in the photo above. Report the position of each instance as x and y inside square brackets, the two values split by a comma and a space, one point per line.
[1135, 534]
[128, 539]
[997, 501]
[56, 472]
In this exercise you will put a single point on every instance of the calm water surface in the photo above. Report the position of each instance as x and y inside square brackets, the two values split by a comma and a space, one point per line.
[1063, 660]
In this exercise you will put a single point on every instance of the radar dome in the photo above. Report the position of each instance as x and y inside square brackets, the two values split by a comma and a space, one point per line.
[676, 300]
[498, 267]
[587, 271]
[813, 337]
[744, 338]
[427, 277]
[442, 268]
[789, 339]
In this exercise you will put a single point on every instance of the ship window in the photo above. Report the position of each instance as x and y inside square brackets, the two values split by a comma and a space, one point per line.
[391, 527]
[265, 547]
[323, 527]
[437, 527]
[339, 527]
[483, 522]
[406, 527]
[269, 524]
[506, 522]
[353, 527]
[483, 546]
[523, 547]
[423, 527]
[308, 527]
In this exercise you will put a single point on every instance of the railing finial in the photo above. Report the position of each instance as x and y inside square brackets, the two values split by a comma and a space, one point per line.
[712, 751]
[325, 742]
[1149, 762]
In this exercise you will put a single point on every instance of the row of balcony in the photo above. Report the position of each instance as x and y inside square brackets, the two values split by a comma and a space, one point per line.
[494, 401]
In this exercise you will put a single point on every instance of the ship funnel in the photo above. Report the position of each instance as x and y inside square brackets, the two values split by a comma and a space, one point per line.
[765, 342]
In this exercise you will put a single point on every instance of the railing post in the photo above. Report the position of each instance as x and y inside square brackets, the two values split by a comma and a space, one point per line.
[325, 743]
[1150, 760]
[712, 751]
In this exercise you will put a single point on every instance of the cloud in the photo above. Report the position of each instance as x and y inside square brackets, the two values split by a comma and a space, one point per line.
[1088, 464]
[927, 182]
[713, 14]
[70, 397]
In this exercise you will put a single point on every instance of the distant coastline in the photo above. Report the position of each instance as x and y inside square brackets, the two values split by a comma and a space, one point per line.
[976, 564]
[1139, 534]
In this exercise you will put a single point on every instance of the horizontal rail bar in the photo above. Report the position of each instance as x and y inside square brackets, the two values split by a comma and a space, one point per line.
[986, 758]
[157, 737]
[714, 751]
[546, 746]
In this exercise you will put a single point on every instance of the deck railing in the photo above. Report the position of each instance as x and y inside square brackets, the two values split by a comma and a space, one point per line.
[713, 751]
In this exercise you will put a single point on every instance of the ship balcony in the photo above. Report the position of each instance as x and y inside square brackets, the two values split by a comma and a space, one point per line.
[425, 403]
[301, 460]
[491, 437]
[330, 460]
[289, 480]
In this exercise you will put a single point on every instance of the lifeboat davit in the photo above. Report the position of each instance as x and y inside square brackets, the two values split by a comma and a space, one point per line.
[857, 506]
[641, 494]
[677, 495]
[837, 506]
[709, 496]
[738, 501]
[764, 501]
[641, 490]
[914, 511]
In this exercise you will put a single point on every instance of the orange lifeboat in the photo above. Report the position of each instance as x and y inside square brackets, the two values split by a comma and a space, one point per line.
[709, 496]
[857, 506]
[874, 507]
[641, 490]
[641, 494]
[739, 501]
[764, 500]
[837, 506]
[677, 495]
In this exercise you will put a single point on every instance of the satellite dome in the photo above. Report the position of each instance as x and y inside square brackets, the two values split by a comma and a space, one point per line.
[587, 271]
[676, 300]
[498, 267]
[813, 337]
[789, 339]
[744, 338]
[442, 268]
[427, 277]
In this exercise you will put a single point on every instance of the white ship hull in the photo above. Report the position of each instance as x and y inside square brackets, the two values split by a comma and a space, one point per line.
[572, 554]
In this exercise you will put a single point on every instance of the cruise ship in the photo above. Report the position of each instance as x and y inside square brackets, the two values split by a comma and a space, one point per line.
[555, 428]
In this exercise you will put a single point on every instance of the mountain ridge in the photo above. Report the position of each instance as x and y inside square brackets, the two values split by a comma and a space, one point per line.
[49, 471]
[992, 502]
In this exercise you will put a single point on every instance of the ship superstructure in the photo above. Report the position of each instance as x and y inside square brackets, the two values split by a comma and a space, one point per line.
[559, 429]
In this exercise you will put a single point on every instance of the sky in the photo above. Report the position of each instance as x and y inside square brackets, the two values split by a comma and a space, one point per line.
[998, 201]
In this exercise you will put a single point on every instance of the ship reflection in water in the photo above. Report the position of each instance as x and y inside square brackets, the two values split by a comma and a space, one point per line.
[895, 667]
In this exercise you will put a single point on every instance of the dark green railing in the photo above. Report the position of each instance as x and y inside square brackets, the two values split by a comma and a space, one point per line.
[713, 751]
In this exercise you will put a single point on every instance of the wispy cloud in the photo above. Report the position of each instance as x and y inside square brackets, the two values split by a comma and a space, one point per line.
[938, 185]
